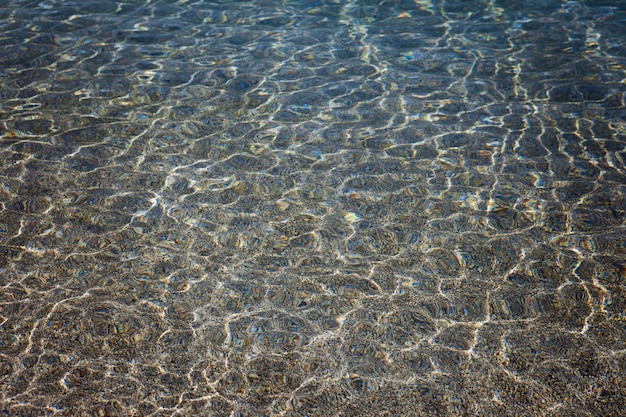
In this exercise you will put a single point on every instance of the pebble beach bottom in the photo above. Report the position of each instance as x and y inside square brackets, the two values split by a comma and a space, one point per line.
[312, 208]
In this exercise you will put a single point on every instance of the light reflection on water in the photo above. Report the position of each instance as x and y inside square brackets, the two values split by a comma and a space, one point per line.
[312, 208]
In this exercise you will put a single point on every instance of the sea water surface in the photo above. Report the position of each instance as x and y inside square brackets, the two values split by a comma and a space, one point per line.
[312, 208]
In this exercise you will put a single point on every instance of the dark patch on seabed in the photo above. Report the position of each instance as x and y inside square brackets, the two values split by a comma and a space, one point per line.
[312, 208]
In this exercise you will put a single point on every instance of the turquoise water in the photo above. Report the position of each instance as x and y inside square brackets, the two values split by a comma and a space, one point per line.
[312, 208]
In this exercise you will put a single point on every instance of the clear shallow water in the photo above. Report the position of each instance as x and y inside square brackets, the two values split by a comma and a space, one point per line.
[312, 208]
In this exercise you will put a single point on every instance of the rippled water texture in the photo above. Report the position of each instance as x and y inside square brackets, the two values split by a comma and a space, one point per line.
[312, 208]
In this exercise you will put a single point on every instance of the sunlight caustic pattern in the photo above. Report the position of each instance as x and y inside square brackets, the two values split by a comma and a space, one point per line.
[312, 208]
